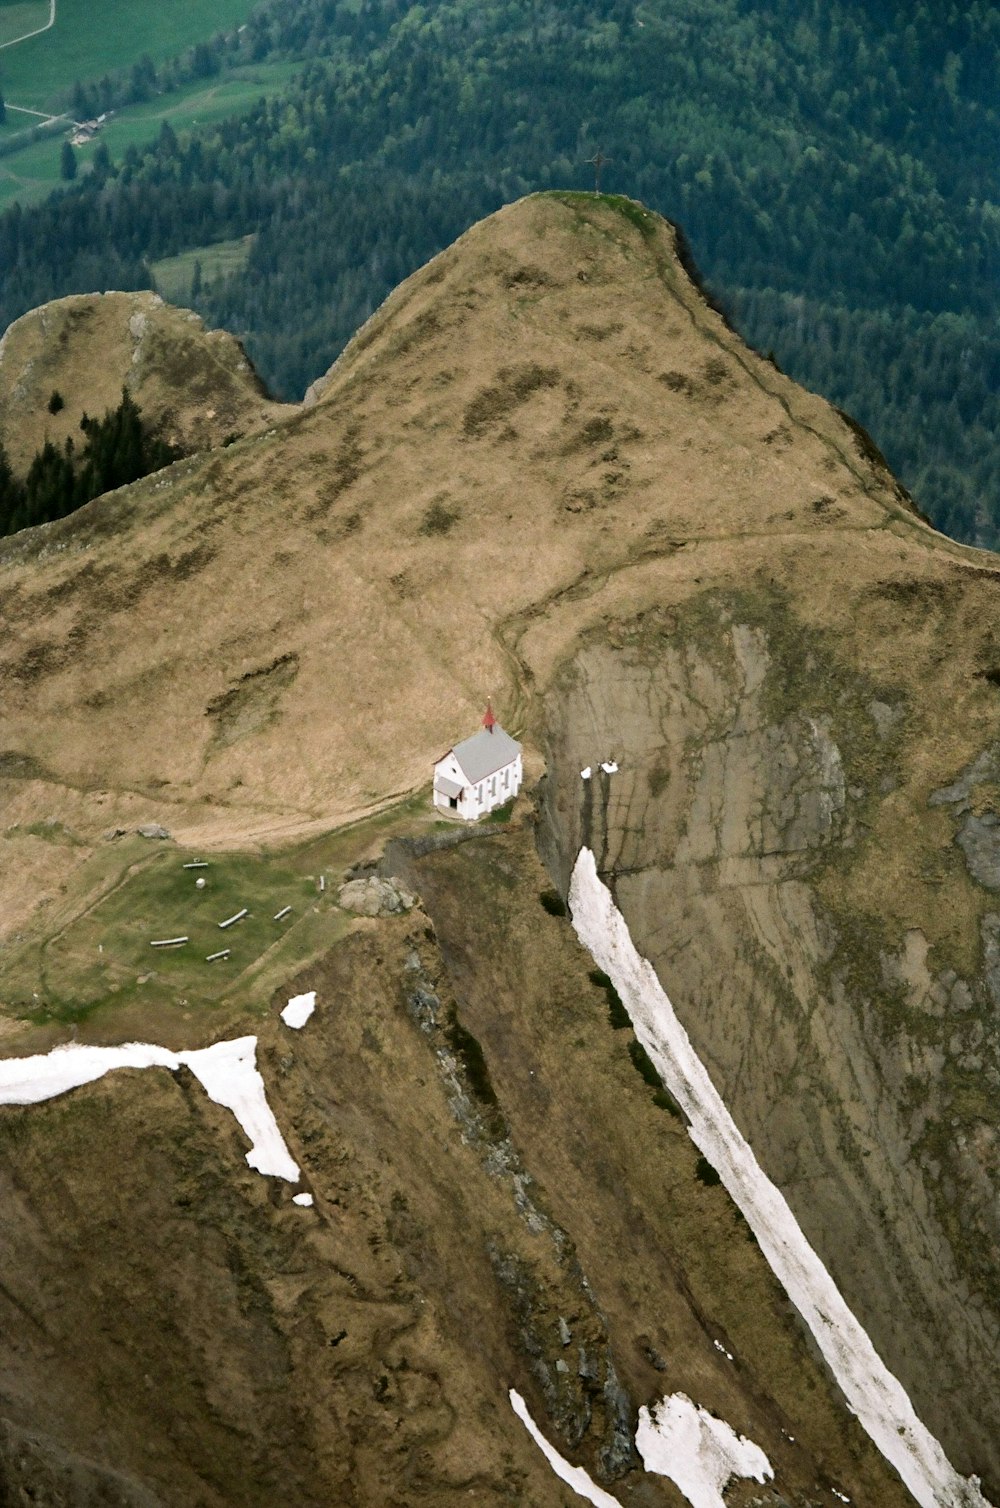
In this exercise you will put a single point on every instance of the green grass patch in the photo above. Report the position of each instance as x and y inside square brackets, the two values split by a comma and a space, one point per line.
[104, 953]
[30, 173]
[86, 43]
[501, 813]
[12, 126]
[174, 276]
[17, 17]
[335, 851]
[197, 104]
[95, 947]
[51, 831]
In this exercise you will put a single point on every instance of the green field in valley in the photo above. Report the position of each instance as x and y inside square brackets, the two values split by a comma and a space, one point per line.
[31, 173]
[174, 275]
[19, 17]
[88, 41]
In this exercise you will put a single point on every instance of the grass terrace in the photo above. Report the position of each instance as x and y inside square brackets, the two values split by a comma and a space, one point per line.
[102, 952]
[91, 957]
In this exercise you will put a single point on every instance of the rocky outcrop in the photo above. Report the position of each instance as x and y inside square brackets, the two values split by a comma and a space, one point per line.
[150, 830]
[373, 896]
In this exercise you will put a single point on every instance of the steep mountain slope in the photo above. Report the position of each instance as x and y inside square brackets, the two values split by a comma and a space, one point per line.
[545, 470]
[194, 386]
[499, 433]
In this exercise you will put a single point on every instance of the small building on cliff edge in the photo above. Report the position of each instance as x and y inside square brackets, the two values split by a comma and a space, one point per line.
[480, 773]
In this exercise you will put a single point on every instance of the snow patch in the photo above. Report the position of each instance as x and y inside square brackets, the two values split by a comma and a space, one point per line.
[229, 1075]
[299, 1009]
[573, 1476]
[697, 1452]
[586, 774]
[872, 1392]
[305, 1200]
[227, 1072]
[610, 766]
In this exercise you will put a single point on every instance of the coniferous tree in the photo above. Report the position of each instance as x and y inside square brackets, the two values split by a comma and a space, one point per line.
[117, 449]
[67, 162]
[11, 495]
[101, 164]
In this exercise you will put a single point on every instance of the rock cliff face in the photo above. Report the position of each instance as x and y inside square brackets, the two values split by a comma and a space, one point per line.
[760, 774]
[547, 470]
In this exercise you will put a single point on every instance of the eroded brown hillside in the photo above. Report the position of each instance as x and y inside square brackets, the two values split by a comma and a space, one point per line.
[547, 470]
[522, 1212]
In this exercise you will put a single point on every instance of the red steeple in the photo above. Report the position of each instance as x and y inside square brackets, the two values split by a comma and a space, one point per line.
[489, 720]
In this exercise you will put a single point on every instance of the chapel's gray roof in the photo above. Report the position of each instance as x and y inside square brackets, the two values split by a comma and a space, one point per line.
[485, 753]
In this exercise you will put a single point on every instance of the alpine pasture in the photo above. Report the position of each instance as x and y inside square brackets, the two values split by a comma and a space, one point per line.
[85, 42]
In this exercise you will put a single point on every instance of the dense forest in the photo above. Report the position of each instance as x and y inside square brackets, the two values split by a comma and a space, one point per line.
[833, 163]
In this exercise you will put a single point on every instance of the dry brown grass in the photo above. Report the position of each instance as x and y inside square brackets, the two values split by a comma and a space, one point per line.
[598, 487]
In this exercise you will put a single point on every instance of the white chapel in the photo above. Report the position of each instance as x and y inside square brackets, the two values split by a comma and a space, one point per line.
[480, 773]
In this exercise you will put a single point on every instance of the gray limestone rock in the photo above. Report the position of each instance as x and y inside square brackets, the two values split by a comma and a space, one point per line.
[979, 840]
[989, 929]
[152, 830]
[982, 771]
[375, 897]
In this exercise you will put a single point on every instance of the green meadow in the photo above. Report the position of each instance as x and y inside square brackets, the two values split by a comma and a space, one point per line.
[174, 276]
[31, 173]
[19, 17]
[88, 41]
[91, 955]
[103, 953]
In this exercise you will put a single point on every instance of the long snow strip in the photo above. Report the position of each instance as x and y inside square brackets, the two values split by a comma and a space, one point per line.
[872, 1392]
[573, 1476]
[697, 1452]
[298, 1010]
[227, 1072]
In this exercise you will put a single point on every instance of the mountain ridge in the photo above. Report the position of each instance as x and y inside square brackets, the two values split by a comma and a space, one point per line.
[548, 471]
